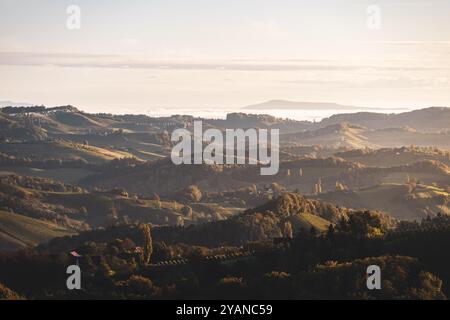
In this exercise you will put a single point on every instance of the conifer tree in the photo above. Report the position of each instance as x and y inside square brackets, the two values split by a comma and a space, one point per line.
[148, 244]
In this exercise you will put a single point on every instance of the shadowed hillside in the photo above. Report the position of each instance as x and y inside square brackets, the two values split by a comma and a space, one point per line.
[395, 157]
[401, 201]
[18, 232]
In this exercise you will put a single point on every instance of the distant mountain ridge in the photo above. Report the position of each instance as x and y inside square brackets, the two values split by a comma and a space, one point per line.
[299, 105]
[148, 137]
[427, 119]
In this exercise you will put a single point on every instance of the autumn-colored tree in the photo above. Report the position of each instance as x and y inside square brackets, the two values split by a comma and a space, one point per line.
[288, 232]
[187, 211]
[340, 186]
[277, 188]
[104, 269]
[137, 285]
[148, 244]
[363, 224]
[190, 194]
[8, 294]
[319, 186]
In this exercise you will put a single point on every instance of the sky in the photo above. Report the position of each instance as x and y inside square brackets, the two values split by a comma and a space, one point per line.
[147, 56]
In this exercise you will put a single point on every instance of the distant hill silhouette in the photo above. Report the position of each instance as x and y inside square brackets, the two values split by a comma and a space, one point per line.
[294, 105]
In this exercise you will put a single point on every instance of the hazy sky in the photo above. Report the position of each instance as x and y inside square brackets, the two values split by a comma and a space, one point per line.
[140, 55]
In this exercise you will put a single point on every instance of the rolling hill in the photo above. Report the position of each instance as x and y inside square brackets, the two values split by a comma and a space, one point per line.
[429, 119]
[18, 231]
[349, 135]
[398, 200]
[61, 150]
[72, 208]
[387, 157]
[333, 136]
[262, 223]
[19, 129]
[295, 105]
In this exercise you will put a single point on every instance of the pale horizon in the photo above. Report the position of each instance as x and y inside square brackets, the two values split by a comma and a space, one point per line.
[138, 57]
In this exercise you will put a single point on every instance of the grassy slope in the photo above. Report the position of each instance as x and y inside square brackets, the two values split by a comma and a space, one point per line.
[61, 150]
[100, 205]
[122, 144]
[17, 231]
[305, 221]
[333, 136]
